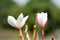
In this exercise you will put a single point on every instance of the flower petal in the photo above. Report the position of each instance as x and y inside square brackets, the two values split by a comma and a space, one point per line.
[20, 18]
[44, 18]
[12, 21]
[24, 20]
[41, 18]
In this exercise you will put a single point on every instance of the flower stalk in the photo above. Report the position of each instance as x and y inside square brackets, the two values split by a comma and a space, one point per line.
[52, 38]
[37, 36]
[26, 32]
[20, 33]
[34, 33]
[42, 33]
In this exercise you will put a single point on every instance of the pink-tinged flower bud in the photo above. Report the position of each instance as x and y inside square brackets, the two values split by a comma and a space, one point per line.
[41, 18]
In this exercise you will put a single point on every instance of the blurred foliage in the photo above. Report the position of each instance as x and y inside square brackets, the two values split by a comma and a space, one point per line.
[7, 7]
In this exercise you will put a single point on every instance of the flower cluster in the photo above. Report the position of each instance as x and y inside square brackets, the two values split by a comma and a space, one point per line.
[41, 19]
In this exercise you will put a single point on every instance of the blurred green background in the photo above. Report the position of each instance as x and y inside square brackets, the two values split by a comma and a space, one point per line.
[8, 7]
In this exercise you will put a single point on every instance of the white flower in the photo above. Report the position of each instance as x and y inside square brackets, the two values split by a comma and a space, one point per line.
[19, 22]
[21, 2]
[41, 18]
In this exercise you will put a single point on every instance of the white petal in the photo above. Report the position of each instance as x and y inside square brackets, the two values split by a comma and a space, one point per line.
[45, 18]
[24, 20]
[42, 13]
[42, 18]
[20, 18]
[39, 18]
[12, 21]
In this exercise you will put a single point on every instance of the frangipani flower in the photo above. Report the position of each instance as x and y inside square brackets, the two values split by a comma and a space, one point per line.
[19, 22]
[41, 18]
[21, 2]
